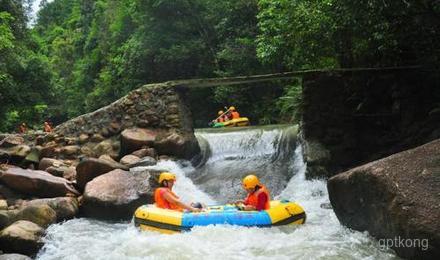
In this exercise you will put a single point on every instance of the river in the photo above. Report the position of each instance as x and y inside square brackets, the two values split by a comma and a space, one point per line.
[271, 152]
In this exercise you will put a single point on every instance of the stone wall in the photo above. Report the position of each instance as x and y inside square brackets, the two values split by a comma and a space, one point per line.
[350, 118]
[158, 107]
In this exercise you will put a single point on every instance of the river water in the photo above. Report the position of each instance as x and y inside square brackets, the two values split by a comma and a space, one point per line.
[271, 153]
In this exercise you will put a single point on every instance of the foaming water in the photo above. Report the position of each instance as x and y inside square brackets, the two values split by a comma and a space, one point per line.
[267, 151]
[322, 237]
[184, 187]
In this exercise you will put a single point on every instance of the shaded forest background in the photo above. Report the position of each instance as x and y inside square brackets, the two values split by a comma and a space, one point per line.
[80, 55]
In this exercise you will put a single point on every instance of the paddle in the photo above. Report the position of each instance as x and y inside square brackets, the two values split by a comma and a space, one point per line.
[213, 121]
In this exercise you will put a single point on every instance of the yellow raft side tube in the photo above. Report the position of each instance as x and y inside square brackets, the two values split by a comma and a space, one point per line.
[149, 217]
[242, 121]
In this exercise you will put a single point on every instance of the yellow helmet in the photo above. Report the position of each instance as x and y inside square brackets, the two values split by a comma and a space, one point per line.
[250, 181]
[220, 112]
[232, 108]
[167, 176]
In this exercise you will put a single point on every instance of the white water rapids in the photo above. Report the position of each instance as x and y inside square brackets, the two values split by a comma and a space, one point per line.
[322, 237]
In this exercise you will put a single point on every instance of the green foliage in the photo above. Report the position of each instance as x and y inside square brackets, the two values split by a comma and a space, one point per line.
[290, 103]
[81, 54]
[25, 80]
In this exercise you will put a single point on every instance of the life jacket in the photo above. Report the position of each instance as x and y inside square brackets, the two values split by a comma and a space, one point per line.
[47, 128]
[252, 198]
[221, 119]
[161, 202]
[235, 115]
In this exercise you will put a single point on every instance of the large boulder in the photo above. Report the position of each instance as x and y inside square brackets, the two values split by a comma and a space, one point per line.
[175, 144]
[146, 161]
[129, 159]
[145, 152]
[109, 146]
[22, 237]
[90, 168]
[11, 141]
[42, 214]
[64, 207]
[49, 162]
[41, 211]
[10, 195]
[38, 183]
[396, 199]
[117, 194]
[136, 138]
[18, 152]
[7, 217]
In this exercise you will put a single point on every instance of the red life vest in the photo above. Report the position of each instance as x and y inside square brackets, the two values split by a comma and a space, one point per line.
[252, 198]
[161, 202]
[235, 115]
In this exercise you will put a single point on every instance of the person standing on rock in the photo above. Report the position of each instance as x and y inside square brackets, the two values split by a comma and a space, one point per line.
[22, 128]
[258, 197]
[166, 199]
[47, 128]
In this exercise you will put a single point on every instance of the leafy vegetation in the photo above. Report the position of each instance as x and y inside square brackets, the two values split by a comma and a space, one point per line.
[81, 55]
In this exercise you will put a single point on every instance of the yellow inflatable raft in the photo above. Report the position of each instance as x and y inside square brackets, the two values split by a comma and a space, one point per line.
[242, 121]
[149, 217]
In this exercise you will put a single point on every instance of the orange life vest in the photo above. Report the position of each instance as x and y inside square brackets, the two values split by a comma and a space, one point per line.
[235, 115]
[161, 202]
[252, 198]
[47, 128]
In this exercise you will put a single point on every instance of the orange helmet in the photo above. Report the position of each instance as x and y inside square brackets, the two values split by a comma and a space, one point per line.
[167, 176]
[250, 181]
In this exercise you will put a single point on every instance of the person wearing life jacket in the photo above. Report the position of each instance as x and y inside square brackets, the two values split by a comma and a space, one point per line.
[258, 197]
[46, 127]
[221, 118]
[234, 113]
[22, 128]
[166, 199]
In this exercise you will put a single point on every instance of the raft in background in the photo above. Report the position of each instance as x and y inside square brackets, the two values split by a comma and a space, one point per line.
[242, 121]
[149, 217]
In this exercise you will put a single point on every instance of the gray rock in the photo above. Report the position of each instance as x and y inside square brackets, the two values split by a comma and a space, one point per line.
[90, 168]
[117, 194]
[38, 183]
[146, 161]
[394, 198]
[172, 143]
[136, 138]
[48, 162]
[129, 159]
[64, 207]
[22, 237]
[41, 214]
[11, 141]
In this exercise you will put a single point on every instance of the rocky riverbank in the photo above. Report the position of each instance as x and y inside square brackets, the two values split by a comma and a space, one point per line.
[83, 167]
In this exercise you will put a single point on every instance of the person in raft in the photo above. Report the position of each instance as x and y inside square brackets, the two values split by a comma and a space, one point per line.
[166, 199]
[258, 197]
[233, 113]
[221, 117]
